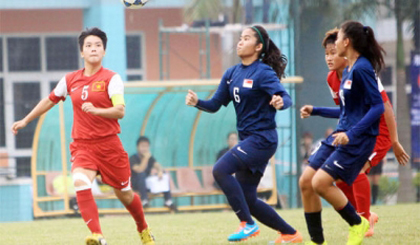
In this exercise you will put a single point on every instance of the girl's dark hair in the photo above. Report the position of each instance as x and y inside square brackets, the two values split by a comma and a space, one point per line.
[270, 54]
[363, 41]
[142, 139]
[95, 31]
[330, 37]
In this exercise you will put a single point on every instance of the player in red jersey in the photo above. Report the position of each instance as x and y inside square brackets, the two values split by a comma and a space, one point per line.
[359, 193]
[97, 95]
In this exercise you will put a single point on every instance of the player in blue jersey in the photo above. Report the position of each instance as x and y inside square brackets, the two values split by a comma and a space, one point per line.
[343, 154]
[255, 89]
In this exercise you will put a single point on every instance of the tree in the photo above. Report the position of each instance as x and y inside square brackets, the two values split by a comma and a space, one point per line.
[402, 10]
[211, 9]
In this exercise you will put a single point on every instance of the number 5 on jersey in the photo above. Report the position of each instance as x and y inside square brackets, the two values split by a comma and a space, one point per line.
[85, 92]
[236, 95]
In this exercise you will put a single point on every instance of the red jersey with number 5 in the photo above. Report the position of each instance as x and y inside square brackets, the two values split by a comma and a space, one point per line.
[334, 85]
[96, 89]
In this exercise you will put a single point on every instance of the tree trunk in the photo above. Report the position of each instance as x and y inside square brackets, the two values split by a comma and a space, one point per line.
[236, 12]
[406, 190]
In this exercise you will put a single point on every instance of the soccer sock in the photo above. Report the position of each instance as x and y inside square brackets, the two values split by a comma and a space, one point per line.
[314, 223]
[348, 213]
[136, 210]
[375, 191]
[348, 192]
[222, 172]
[89, 210]
[361, 190]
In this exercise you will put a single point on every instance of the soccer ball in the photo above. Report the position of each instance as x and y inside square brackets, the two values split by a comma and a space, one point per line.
[134, 4]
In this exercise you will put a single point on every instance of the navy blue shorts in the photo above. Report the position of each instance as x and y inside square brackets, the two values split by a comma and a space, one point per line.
[255, 151]
[344, 162]
[321, 153]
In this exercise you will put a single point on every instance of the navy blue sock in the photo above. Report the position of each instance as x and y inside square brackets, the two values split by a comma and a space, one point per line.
[222, 172]
[349, 214]
[260, 210]
[314, 223]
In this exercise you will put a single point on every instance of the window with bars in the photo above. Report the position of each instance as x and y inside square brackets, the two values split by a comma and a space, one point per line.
[24, 54]
[62, 53]
[26, 96]
[134, 47]
[2, 124]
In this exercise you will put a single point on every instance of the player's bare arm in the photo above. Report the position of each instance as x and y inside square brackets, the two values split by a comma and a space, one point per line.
[191, 99]
[306, 111]
[43, 106]
[400, 154]
[277, 102]
[115, 112]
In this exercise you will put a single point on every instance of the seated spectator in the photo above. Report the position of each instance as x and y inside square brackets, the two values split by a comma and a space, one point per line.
[232, 140]
[148, 176]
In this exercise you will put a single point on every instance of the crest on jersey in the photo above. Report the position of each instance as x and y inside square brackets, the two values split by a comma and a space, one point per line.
[98, 86]
[248, 83]
[347, 84]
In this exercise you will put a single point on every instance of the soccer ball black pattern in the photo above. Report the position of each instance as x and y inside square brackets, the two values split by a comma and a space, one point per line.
[134, 4]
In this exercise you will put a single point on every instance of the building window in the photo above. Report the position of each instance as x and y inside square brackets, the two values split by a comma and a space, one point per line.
[134, 54]
[386, 76]
[24, 53]
[2, 126]
[26, 96]
[134, 77]
[23, 166]
[390, 97]
[62, 53]
[1, 54]
[53, 84]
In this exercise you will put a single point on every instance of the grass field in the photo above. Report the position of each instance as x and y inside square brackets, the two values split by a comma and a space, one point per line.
[398, 224]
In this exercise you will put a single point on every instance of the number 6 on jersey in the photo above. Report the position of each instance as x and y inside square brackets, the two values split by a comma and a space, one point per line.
[236, 95]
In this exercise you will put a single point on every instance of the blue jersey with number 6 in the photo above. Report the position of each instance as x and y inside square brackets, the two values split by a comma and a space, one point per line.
[251, 89]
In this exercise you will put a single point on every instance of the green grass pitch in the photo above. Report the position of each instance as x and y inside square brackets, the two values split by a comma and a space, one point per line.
[399, 224]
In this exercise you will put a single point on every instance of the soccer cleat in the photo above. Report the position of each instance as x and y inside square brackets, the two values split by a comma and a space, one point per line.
[289, 238]
[312, 243]
[373, 219]
[241, 226]
[246, 232]
[95, 239]
[357, 232]
[146, 237]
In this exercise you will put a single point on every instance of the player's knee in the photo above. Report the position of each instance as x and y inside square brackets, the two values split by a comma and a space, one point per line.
[217, 173]
[125, 196]
[305, 183]
[81, 182]
[318, 186]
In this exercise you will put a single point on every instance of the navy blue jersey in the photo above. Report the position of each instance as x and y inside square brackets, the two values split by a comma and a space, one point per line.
[358, 93]
[251, 89]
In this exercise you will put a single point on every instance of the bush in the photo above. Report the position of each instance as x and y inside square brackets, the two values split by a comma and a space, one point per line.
[387, 188]
[416, 180]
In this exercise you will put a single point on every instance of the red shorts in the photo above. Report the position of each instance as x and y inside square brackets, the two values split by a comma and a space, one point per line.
[105, 155]
[382, 146]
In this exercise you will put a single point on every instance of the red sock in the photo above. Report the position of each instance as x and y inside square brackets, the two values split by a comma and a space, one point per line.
[89, 210]
[361, 190]
[348, 192]
[136, 210]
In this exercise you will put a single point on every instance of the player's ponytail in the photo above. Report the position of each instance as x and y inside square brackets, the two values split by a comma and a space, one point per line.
[270, 53]
[363, 40]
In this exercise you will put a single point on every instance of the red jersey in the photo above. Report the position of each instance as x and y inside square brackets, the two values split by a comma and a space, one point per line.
[96, 89]
[334, 85]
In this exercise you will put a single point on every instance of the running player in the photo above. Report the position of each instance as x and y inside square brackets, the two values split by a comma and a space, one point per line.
[97, 95]
[343, 155]
[256, 92]
[359, 193]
